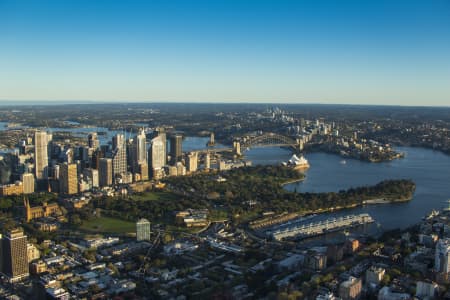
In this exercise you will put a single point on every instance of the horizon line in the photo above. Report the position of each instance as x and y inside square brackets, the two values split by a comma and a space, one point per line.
[23, 102]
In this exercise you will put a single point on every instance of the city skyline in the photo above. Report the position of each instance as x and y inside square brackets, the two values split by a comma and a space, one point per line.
[224, 201]
[226, 52]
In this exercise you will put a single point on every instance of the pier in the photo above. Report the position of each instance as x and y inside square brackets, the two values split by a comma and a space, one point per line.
[321, 227]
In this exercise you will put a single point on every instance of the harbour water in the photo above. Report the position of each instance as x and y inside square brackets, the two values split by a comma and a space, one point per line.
[190, 143]
[429, 169]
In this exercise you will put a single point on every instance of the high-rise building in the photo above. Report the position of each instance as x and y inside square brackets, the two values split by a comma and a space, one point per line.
[41, 155]
[157, 153]
[119, 155]
[28, 183]
[68, 179]
[93, 141]
[118, 141]
[143, 230]
[143, 171]
[105, 172]
[96, 155]
[237, 148]
[212, 141]
[138, 153]
[141, 147]
[14, 255]
[163, 136]
[442, 256]
[176, 150]
[207, 161]
[192, 162]
[91, 176]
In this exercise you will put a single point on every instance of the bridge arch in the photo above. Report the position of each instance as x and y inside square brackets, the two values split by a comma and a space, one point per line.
[269, 140]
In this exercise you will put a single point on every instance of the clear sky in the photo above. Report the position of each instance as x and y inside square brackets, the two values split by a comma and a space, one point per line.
[316, 51]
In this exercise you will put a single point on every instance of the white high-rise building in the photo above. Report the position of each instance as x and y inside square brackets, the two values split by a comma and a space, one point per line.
[28, 183]
[141, 143]
[41, 155]
[93, 141]
[441, 257]
[138, 153]
[192, 162]
[157, 153]
[143, 230]
[92, 177]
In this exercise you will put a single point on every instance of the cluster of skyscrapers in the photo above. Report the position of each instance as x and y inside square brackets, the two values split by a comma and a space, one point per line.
[68, 169]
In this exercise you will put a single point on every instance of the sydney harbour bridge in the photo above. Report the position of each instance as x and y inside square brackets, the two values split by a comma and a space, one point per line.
[263, 140]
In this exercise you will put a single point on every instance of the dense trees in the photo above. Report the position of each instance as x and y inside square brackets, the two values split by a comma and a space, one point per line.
[245, 193]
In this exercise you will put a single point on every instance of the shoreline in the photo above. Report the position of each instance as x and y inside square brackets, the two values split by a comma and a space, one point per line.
[384, 201]
[292, 181]
[372, 202]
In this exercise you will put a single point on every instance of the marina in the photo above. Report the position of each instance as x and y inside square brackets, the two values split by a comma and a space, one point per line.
[320, 227]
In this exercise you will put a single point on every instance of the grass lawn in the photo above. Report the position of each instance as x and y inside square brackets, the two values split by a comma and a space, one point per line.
[152, 196]
[108, 225]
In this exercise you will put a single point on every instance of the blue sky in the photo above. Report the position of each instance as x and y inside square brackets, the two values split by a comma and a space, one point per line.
[317, 51]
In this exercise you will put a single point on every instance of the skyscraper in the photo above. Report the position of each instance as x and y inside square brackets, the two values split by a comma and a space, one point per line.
[176, 151]
[91, 176]
[138, 151]
[157, 153]
[207, 160]
[14, 255]
[105, 172]
[119, 155]
[141, 147]
[41, 155]
[143, 230]
[192, 162]
[212, 141]
[442, 255]
[93, 141]
[68, 179]
[143, 171]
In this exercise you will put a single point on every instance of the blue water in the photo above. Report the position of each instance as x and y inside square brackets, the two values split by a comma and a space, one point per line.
[429, 169]
[190, 143]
